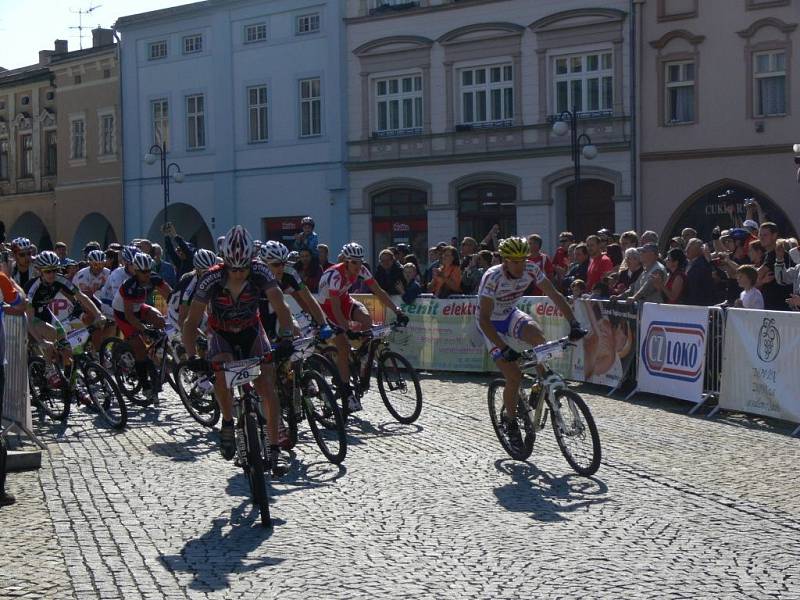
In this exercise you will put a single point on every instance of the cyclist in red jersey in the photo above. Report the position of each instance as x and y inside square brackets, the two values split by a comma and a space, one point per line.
[342, 310]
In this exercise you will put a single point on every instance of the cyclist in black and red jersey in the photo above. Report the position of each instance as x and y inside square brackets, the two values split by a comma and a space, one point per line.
[133, 315]
[231, 293]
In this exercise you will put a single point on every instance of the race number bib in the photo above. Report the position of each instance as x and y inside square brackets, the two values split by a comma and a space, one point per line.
[77, 338]
[240, 372]
[547, 352]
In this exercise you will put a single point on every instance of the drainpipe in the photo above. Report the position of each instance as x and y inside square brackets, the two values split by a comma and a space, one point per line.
[635, 31]
[120, 128]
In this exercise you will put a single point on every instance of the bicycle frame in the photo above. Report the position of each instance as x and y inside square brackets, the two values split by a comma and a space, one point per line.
[373, 347]
[537, 370]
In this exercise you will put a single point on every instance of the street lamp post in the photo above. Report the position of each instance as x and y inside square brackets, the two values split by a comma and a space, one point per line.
[155, 152]
[580, 144]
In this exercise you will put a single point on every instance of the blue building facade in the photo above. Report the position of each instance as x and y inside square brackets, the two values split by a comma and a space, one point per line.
[248, 96]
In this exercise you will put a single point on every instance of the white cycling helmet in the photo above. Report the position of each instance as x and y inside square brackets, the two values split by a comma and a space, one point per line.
[238, 247]
[353, 251]
[21, 243]
[274, 252]
[204, 259]
[129, 253]
[47, 260]
[142, 262]
[96, 256]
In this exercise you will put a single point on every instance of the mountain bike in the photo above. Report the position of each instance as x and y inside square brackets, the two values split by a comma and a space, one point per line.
[540, 392]
[196, 390]
[398, 382]
[304, 393]
[252, 445]
[87, 381]
[118, 356]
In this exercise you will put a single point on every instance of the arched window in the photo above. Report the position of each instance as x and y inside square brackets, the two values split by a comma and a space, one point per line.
[482, 205]
[400, 216]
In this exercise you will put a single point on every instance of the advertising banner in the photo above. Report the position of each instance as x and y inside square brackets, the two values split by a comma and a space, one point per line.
[607, 355]
[759, 372]
[672, 350]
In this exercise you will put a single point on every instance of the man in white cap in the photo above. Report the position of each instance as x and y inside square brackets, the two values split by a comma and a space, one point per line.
[751, 226]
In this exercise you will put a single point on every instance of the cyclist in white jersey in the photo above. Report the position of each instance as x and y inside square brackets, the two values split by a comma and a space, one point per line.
[117, 277]
[90, 280]
[182, 295]
[498, 319]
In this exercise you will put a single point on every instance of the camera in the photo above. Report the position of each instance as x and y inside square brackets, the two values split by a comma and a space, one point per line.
[716, 233]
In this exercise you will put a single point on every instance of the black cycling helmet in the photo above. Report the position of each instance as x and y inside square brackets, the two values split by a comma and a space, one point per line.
[307, 221]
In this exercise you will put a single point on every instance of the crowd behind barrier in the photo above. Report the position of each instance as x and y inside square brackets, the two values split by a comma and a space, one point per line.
[745, 359]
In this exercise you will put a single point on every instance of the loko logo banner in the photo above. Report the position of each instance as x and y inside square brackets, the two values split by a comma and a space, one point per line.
[674, 350]
[672, 357]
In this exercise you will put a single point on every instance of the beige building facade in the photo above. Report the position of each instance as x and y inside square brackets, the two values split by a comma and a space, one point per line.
[60, 156]
[451, 111]
[718, 92]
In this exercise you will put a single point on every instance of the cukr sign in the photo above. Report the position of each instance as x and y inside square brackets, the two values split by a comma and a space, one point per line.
[674, 350]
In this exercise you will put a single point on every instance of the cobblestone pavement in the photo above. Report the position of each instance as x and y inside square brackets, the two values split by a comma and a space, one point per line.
[682, 507]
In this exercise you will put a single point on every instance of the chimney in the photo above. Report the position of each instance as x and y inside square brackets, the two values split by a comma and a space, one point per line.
[102, 37]
[61, 47]
[44, 57]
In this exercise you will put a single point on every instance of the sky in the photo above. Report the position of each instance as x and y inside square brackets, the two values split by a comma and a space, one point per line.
[29, 26]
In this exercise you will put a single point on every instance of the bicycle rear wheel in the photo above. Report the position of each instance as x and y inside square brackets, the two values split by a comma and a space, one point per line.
[53, 400]
[398, 384]
[324, 417]
[197, 394]
[105, 394]
[255, 468]
[497, 412]
[575, 431]
[325, 366]
[123, 367]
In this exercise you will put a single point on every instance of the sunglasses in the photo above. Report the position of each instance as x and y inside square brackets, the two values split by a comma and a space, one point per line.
[46, 271]
[354, 262]
[277, 264]
[238, 269]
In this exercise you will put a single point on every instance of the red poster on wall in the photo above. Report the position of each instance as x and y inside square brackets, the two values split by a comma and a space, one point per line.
[282, 229]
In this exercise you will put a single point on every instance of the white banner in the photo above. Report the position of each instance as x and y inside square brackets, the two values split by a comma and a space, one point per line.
[672, 351]
[760, 373]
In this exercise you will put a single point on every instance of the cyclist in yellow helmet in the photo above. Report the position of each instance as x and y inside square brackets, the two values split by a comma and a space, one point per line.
[498, 319]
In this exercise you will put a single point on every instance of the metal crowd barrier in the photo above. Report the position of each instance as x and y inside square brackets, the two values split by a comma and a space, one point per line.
[16, 399]
[715, 344]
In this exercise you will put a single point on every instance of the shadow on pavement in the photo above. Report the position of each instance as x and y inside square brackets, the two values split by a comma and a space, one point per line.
[220, 552]
[546, 497]
[303, 476]
[364, 430]
[201, 442]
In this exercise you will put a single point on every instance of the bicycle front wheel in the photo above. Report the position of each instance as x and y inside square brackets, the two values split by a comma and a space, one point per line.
[52, 399]
[497, 413]
[105, 394]
[197, 394]
[324, 417]
[575, 431]
[255, 468]
[398, 384]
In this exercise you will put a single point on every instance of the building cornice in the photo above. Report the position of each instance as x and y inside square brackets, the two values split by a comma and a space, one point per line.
[593, 16]
[414, 41]
[715, 152]
[782, 26]
[418, 11]
[665, 39]
[452, 37]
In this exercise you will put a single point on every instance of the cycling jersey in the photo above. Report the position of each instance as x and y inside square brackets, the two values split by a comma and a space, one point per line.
[109, 291]
[289, 283]
[506, 290]
[181, 295]
[24, 277]
[336, 281]
[136, 292]
[40, 295]
[234, 314]
[89, 283]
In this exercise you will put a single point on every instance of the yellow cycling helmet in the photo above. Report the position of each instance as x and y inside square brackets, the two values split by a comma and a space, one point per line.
[514, 248]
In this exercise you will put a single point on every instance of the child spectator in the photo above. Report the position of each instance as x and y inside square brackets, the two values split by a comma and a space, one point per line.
[750, 297]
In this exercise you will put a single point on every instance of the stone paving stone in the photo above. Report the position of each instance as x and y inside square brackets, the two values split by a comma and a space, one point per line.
[682, 507]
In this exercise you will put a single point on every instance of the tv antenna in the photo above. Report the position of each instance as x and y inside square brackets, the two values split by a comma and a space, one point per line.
[80, 12]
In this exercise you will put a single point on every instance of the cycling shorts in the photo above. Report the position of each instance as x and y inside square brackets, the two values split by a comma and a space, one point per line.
[142, 314]
[251, 342]
[508, 328]
[348, 305]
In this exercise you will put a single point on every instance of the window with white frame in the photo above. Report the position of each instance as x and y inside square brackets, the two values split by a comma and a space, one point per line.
[195, 122]
[156, 50]
[107, 145]
[159, 110]
[310, 107]
[487, 95]
[584, 82]
[680, 92]
[78, 139]
[26, 156]
[398, 105]
[769, 85]
[307, 24]
[257, 112]
[255, 32]
[192, 44]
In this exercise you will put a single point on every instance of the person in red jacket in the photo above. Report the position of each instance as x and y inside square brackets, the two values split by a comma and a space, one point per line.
[599, 263]
[541, 260]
